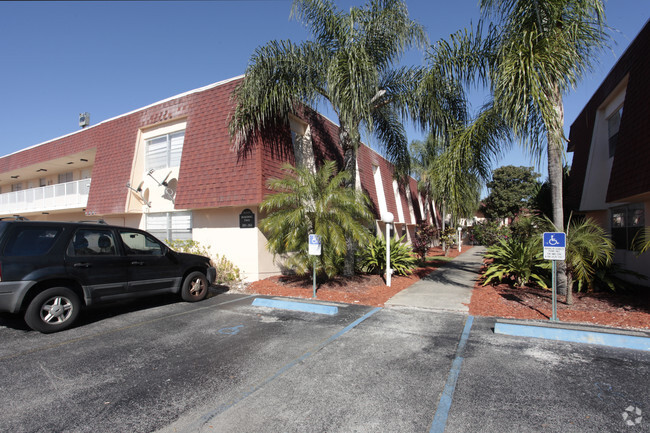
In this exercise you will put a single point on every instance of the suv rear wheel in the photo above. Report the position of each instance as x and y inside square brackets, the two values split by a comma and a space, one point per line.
[52, 310]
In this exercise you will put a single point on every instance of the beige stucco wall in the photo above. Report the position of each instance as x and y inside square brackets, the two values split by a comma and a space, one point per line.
[246, 248]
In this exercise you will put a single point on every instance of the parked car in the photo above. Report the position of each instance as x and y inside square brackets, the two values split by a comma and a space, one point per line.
[50, 270]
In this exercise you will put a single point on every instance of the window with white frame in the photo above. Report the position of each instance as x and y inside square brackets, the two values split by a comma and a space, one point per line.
[170, 225]
[613, 125]
[164, 151]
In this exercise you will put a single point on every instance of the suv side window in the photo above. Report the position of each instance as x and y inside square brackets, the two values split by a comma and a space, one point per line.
[92, 242]
[31, 241]
[138, 244]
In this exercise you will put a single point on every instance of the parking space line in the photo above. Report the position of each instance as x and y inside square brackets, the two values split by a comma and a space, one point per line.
[111, 331]
[224, 407]
[442, 411]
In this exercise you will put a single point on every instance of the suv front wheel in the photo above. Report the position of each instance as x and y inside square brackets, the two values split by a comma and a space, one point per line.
[195, 287]
[52, 310]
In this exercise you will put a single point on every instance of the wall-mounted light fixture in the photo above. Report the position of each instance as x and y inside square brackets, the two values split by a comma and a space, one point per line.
[15, 177]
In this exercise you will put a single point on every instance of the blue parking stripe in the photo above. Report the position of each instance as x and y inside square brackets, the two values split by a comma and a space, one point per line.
[296, 306]
[442, 412]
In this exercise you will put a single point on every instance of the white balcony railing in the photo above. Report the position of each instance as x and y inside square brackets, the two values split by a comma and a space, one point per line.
[68, 195]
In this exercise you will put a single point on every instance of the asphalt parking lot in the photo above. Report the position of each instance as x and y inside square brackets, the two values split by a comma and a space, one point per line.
[224, 365]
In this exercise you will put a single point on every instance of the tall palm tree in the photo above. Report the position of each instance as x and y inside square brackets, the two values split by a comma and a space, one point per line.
[318, 203]
[349, 65]
[532, 54]
[450, 179]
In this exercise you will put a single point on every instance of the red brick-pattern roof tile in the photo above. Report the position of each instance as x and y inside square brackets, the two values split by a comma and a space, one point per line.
[211, 174]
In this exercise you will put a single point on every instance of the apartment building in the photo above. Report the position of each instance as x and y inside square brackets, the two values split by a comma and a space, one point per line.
[610, 141]
[170, 168]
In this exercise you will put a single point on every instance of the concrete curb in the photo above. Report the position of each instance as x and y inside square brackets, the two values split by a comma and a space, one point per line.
[296, 306]
[626, 339]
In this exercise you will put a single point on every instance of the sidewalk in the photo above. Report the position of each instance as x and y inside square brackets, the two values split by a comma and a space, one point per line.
[448, 288]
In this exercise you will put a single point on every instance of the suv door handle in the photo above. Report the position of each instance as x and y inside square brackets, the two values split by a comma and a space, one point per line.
[82, 265]
[137, 263]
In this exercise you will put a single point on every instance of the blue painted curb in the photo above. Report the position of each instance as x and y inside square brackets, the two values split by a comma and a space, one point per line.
[296, 306]
[576, 335]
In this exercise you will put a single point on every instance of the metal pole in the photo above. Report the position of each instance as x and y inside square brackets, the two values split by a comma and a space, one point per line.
[314, 279]
[554, 291]
[388, 270]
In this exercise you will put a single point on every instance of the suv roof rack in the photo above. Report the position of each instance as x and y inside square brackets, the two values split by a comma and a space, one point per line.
[99, 221]
[14, 218]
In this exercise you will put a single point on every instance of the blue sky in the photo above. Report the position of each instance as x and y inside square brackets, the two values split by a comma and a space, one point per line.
[108, 58]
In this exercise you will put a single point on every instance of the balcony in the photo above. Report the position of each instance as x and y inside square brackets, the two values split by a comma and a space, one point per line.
[68, 195]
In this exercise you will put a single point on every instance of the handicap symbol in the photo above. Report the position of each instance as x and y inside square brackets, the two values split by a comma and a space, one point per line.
[230, 331]
[553, 241]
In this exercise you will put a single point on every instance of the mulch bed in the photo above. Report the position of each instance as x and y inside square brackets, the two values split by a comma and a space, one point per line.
[624, 310]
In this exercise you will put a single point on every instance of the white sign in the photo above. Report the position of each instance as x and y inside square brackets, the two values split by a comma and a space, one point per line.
[314, 245]
[554, 246]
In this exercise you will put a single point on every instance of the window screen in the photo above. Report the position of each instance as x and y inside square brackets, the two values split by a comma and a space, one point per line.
[170, 225]
[164, 151]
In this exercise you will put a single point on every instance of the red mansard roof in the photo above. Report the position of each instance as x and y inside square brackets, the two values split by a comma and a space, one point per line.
[629, 175]
[211, 173]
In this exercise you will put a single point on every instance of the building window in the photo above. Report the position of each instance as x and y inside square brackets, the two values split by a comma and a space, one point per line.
[164, 151]
[65, 177]
[16, 187]
[170, 225]
[626, 222]
[613, 125]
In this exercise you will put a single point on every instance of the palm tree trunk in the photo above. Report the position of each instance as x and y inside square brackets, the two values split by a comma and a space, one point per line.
[555, 149]
[349, 165]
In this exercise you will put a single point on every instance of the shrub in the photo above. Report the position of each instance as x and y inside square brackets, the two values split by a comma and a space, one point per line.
[424, 237]
[448, 236]
[227, 272]
[490, 232]
[520, 261]
[373, 258]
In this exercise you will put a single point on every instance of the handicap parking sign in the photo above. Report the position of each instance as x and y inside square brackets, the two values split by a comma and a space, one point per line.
[554, 245]
[555, 239]
[314, 245]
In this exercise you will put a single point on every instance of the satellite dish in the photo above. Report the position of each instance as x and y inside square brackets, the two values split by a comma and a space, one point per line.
[170, 191]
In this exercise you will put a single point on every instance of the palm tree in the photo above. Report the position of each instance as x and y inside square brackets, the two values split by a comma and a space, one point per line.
[449, 179]
[347, 65]
[314, 203]
[534, 53]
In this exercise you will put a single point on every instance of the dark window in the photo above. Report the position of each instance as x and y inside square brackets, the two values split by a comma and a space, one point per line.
[137, 243]
[92, 242]
[31, 241]
[626, 222]
[613, 125]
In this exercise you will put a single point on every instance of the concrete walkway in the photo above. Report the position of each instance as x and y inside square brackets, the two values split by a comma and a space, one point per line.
[448, 288]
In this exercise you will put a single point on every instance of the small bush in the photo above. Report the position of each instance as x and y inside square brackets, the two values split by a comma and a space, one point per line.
[490, 232]
[373, 258]
[425, 234]
[227, 273]
[522, 262]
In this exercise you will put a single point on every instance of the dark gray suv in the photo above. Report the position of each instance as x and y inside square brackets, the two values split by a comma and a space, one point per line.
[50, 270]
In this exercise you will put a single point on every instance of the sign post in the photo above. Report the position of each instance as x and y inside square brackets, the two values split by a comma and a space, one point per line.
[314, 250]
[554, 250]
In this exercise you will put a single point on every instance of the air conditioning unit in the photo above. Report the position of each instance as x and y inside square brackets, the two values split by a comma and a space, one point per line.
[84, 120]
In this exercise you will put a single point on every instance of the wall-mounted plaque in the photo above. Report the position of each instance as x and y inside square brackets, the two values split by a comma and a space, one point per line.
[246, 219]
